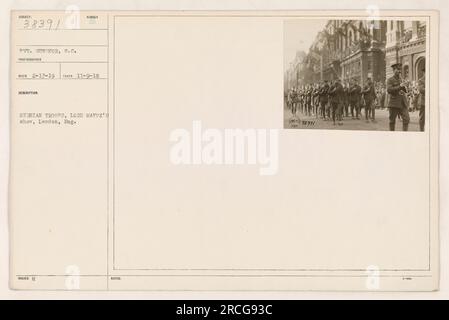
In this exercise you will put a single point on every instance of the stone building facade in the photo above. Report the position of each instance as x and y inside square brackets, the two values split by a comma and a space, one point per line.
[406, 44]
[361, 49]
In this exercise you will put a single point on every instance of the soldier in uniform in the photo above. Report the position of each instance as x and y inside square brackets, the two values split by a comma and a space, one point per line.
[368, 96]
[294, 101]
[397, 104]
[336, 93]
[303, 99]
[422, 100]
[354, 99]
[309, 100]
[316, 99]
[346, 99]
[290, 99]
[330, 98]
[324, 98]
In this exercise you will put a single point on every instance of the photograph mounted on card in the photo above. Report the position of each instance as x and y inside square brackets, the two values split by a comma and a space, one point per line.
[162, 151]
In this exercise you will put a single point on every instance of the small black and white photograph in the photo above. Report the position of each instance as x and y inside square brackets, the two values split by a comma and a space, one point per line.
[355, 74]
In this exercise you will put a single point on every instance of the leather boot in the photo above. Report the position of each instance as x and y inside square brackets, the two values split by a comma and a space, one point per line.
[392, 126]
[405, 127]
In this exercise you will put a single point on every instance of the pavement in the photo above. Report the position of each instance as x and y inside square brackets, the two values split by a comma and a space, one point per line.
[380, 124]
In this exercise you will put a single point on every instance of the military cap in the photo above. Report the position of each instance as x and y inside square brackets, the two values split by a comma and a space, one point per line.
[396, 65]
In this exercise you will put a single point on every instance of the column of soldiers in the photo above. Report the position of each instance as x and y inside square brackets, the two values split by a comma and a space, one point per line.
[332, 100]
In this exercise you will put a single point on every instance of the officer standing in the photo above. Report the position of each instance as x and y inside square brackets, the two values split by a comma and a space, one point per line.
[422, 100]
[397, 104]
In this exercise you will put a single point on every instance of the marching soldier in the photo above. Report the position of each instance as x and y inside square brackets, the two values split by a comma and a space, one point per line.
[294, 101]
[422, 100]
[323, 94]
[316, 99]
[336, 93]
[368, 96]
[302, 98]
[309, 100]
[346, 99]
[330, 98]
[354, 99]
[290, 99]
[397, 104]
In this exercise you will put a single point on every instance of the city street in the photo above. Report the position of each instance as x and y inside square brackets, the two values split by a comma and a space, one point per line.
[381, 123]
[355, 60]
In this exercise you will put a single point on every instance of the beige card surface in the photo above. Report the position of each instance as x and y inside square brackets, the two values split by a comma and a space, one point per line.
[224, 150]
